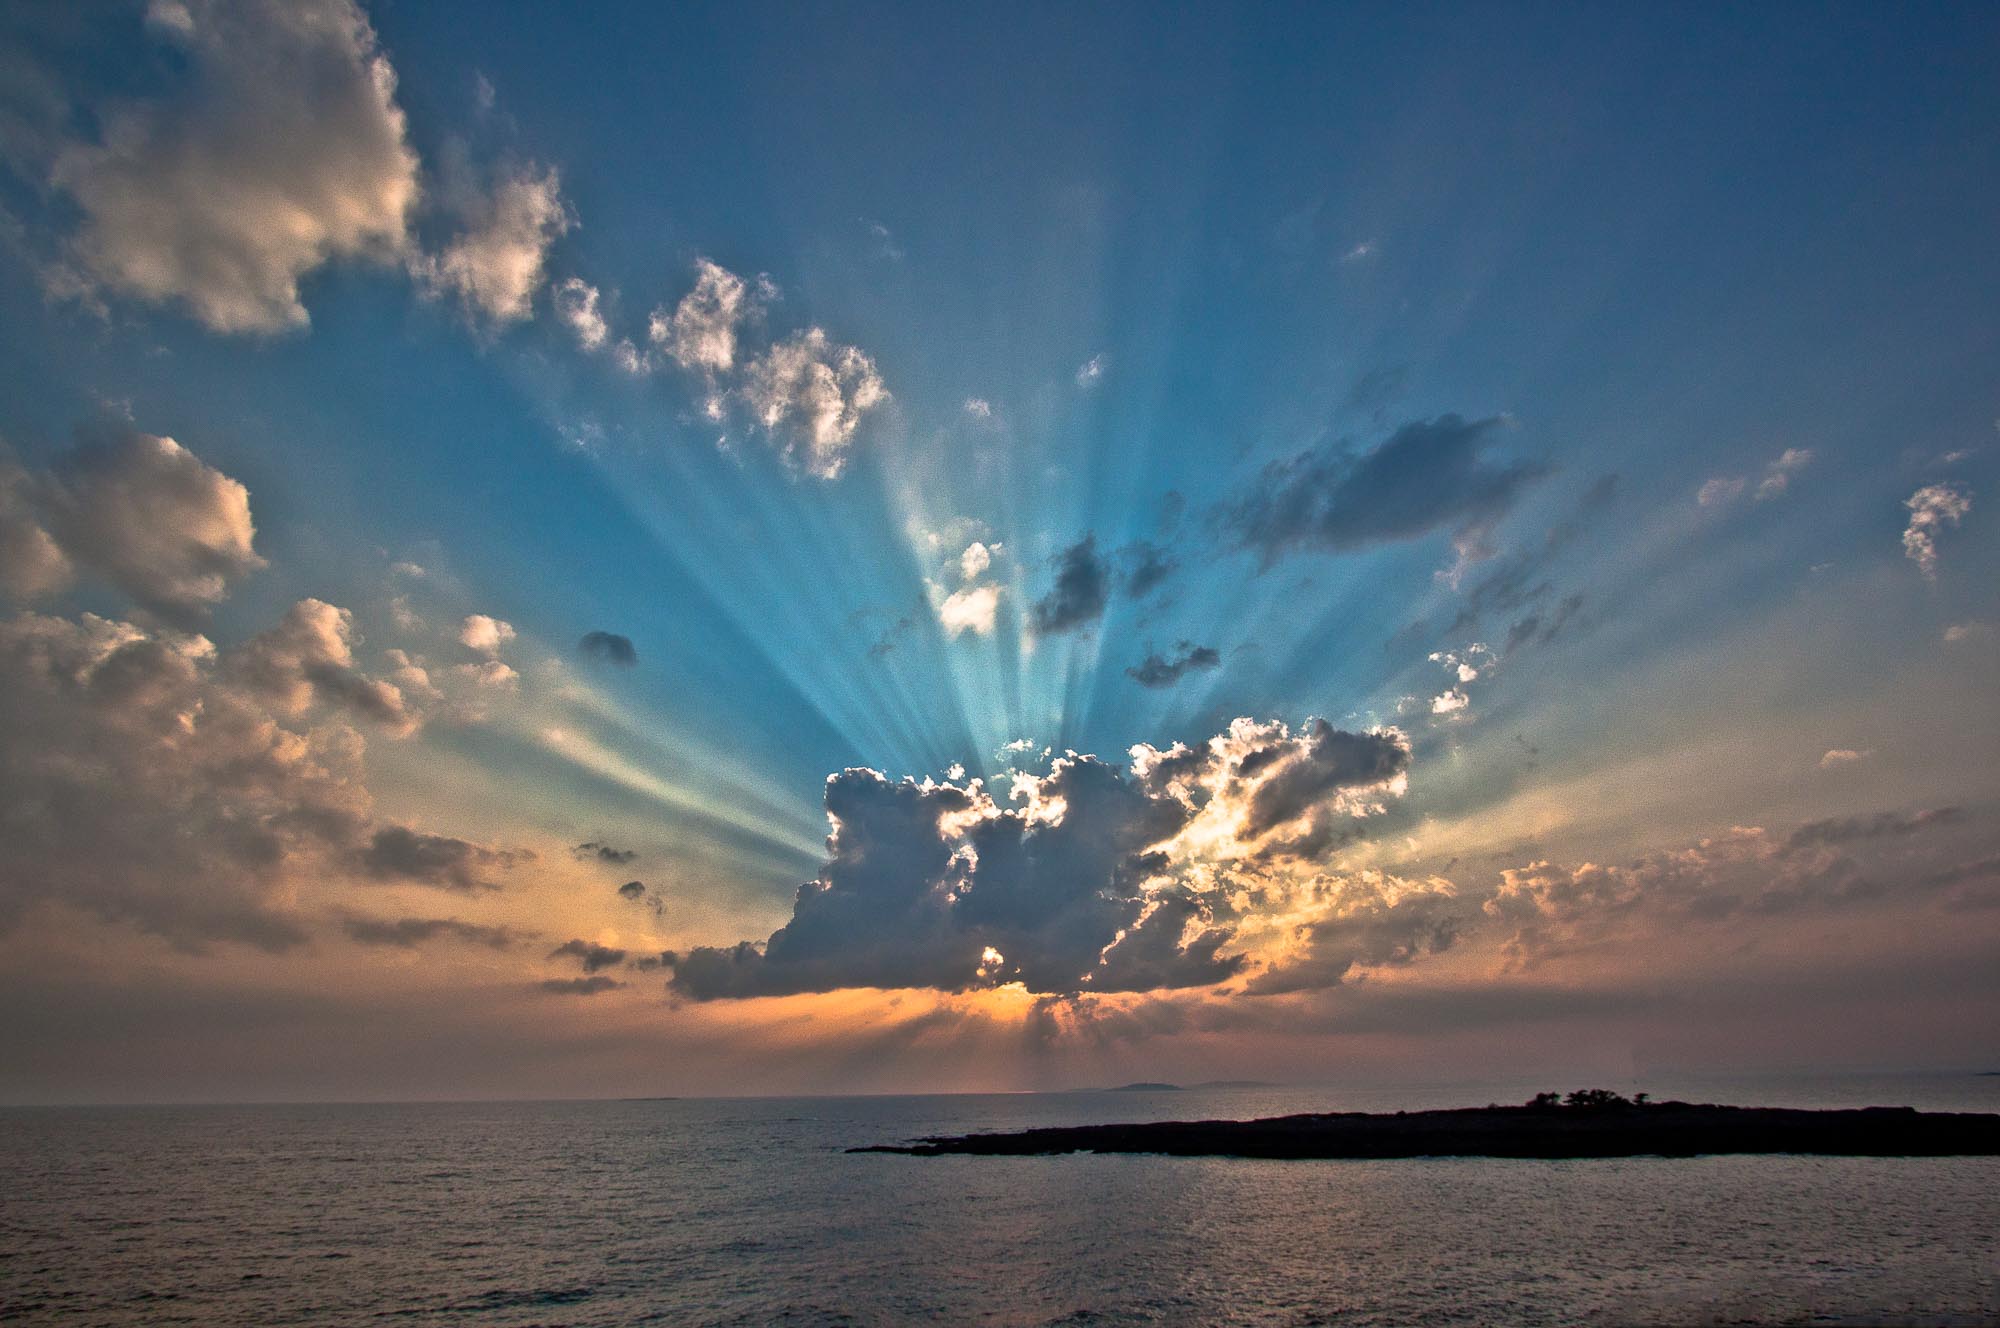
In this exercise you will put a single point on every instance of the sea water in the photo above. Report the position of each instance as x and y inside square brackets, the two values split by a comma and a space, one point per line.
[748, 1211]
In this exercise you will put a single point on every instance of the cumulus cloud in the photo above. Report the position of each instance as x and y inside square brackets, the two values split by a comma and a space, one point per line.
[1156, 670]
[1839, 756]
[1430, 474]
[308, 657]
[608, 648]
[593, 957]
[1081, 591]
[493, 266]
[632, 890]
[810, 394]
[485, 634]
[979, 408]
[141, 511]
[1090, 877]
[281, 149]
[973, 604]
[1933, 508]
[699, 334]
[1091, 371]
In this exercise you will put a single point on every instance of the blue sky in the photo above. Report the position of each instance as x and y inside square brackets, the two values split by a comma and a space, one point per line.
[1600, 404]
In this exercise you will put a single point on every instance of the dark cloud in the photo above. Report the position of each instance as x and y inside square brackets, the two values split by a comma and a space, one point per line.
[1882, 825]
[632, 890]
[1078, 883]
[1332, 759]
[592, 956]
[1158, 671]
[1081, 590]
[608, 648]
[143, 512]
[926, 882]
[398, 853]
[1146, 567]
[580, 986]
[409, 933]
[1378, 389]
[1429, 475]
[595, 850]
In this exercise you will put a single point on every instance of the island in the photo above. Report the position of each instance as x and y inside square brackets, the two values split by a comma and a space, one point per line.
[1588, 1123]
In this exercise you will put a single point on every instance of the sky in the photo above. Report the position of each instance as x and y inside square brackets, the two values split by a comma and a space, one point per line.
[747, 549]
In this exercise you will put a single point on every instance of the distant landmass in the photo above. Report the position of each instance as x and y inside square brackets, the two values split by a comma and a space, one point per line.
[1149, 1086]
[1592, 1124]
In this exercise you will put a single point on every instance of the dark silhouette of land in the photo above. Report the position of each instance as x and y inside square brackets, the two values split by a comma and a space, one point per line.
[1589, 1123]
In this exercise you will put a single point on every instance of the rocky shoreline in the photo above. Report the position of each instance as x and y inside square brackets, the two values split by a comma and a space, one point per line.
[1538, 1130]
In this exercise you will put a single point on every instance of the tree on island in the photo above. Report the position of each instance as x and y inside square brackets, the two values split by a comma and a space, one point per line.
[1588, 1099]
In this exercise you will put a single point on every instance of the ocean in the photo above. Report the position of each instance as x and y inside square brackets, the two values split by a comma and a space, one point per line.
[747, 1211]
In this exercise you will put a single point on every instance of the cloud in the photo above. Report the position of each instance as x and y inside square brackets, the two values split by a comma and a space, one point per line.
[1721, 490]
[608, 648]
[593, 850]
[1091, 371]
[1087, 878]
[1933, 508]
[281, 149]
[1430, 474]
[1146, 567]
[1081, 590]
[493, 267]
[485, 634]
[409, 933]
[969, 609]
[398, 853]
[700, 333]
[1840, 756]
[632, 890]
[143, 512]
[1882, 825]
[810, 394]
[309, 657]
[591, 986]
[978, 408]
[593, 957]
[1776, 479]
[1778, 475]
[576, 305]
[1158, 671]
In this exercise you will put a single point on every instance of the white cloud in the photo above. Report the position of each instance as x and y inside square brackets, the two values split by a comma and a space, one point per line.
[283, 150]
[1840, 756]
[1778, 475]
[485, 634]
[975, 560]
[700, 333]
[1720, 490]
[576, 304]
[1365, 249]
[1091, 371]
[969, 609]
[810, 394]
[494, 266]
[979, 408]
[1933, 508]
